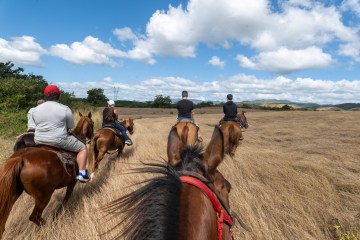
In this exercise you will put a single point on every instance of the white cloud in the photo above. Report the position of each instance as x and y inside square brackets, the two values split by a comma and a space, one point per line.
[243, 87]
[216, 62]
[125, 34]
[285, 61]
[89, 51]
[301, 25]
[351, 5]
[21, 50]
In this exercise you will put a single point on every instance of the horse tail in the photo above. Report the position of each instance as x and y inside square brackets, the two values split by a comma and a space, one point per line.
[10, 188]
[92, 149]
[184, 134]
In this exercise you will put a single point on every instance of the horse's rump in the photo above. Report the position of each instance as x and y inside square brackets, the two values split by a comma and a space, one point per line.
[187, 131]
[232, 134]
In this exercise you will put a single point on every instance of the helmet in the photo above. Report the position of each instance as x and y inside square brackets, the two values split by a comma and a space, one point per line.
[229, 97]
[51, 90]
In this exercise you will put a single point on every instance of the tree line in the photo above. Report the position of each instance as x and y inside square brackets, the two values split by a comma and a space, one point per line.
[19, 92]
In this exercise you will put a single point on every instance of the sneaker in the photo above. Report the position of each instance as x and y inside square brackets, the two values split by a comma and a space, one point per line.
[128, 142]
[83, 177]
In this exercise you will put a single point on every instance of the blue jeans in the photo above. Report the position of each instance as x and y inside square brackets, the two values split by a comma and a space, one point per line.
[122, 130]
[184, 118]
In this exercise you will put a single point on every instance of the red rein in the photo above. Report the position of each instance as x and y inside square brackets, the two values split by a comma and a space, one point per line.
[223, 216]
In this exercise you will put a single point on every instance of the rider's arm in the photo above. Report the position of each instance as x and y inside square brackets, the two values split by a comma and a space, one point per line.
[69, 118]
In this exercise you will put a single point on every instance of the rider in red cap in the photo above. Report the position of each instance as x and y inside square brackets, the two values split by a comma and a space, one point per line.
[53, 120]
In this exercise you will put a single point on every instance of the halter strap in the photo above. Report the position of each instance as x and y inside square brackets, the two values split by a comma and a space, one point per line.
[222, 215]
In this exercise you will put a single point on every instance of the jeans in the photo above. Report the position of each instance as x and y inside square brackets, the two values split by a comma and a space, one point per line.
[184, 118]
[122, 130]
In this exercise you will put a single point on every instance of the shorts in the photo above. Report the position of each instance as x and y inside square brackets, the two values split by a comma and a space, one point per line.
[71, 143]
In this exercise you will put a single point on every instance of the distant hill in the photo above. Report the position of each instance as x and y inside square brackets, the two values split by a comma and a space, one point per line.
[344, 106]
[295, 105]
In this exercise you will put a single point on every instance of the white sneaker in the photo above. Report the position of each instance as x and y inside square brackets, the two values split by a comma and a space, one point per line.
[128, 142]
[83, 177]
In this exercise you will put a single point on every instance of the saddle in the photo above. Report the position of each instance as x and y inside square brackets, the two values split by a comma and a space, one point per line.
[116, 131]
[232, 120]
[25, 140]
[68, 158]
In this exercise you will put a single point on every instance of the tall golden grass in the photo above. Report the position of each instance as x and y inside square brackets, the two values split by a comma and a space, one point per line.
[296, 175]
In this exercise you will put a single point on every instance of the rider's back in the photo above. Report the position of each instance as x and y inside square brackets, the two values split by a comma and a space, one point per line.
[52, 120]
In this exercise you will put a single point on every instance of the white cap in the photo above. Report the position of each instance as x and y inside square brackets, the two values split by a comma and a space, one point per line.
[111, 102]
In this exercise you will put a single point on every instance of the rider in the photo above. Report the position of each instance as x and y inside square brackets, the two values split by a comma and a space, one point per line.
[185, 109]
[229, 109]
[52, 122]
[113, 122]
[31, 124]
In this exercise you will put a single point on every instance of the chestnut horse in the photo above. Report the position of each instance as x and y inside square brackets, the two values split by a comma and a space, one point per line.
[188, 134]
[106, 139]
[181, 202]
[39, 171]
[232, 133]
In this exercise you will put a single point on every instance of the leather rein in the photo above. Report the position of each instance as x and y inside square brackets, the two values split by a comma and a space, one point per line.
[223, 216]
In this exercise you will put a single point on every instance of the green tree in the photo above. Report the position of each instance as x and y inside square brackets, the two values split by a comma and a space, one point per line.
[96, 97]
[161, 101]
[6, 71]
[17, 90]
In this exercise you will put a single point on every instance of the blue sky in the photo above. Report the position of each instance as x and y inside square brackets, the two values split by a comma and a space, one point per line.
[298, 50]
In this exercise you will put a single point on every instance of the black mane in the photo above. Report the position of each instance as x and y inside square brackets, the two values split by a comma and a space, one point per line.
[152, 211]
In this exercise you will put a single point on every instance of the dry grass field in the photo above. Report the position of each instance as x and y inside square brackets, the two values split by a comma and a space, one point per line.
[295, 176]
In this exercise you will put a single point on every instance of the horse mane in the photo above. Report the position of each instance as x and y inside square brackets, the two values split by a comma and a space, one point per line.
[153, 209]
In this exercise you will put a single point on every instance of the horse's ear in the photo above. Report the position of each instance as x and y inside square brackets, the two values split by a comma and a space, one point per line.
[174, 147]
[214, 153]
[89, 114]
[80, 114]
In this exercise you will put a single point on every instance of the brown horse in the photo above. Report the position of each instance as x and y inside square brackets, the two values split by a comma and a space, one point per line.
[39, 171]
[232, 133]
[182, 201]
[241, 119]
[106, 139]
[84, 130]
[188, 134]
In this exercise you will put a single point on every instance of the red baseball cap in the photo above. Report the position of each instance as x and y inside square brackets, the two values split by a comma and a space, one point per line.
[51, 90]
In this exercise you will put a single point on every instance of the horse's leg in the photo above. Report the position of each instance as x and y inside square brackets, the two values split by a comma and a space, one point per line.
[69, 191]
[41, 201]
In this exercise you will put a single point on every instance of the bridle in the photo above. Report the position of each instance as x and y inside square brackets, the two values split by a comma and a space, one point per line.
[91, 125]
[223, 215]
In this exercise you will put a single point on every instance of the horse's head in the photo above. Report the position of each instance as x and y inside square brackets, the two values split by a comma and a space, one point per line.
[85, 127]
[130, 125]
[242, 119]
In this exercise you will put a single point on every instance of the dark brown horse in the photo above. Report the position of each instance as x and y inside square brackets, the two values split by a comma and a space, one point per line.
[232, 133]
[182, 201]
[188, 134]
[84, 130]
[106, 139]
[39, 171]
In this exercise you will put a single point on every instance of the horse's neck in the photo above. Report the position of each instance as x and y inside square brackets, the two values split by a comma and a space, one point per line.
[196, 206]
[78, 130]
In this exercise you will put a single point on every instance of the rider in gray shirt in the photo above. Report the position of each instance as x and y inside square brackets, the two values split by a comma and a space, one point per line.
[52, 122]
